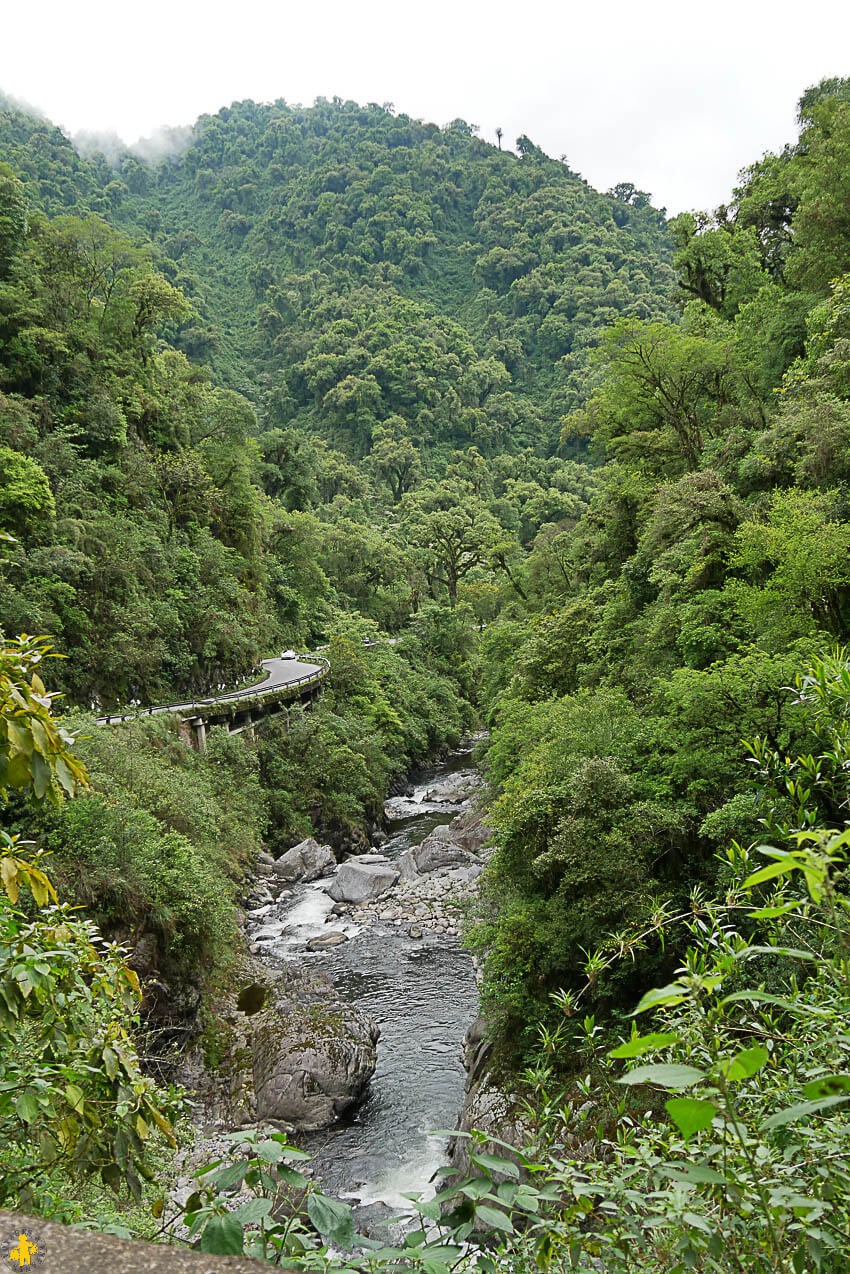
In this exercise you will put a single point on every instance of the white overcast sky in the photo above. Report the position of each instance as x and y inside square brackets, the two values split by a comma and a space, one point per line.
[675, 97]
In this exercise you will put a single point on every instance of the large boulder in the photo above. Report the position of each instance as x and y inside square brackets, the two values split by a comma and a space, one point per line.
[438, 849]
[306, 861]
[359, 879]
[470, 830]
[313, 1054]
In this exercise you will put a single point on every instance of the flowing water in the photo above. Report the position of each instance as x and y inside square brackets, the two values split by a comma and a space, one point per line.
[420, 992]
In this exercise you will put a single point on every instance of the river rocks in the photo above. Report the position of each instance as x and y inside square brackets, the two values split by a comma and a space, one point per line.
[454, 789]
[408, 871]
[306, 861]
[361, 878]
[331, 939]
[447, 793]
[432, 904]
[312, 1053]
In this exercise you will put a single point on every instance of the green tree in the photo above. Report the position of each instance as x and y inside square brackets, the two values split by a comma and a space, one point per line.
[668, 392]
[73, 1094]
[394, 457]
[452, 529]
[27, 505]
[13, 218]
[798, 564]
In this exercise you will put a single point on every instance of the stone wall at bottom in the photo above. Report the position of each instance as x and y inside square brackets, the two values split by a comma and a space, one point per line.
[62, 1250]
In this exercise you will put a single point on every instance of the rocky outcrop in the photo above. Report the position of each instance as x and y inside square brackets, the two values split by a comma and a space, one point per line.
[312, 1054]
[359, 879]
[306, 861]
[439, 849]
[486, 1108]
[471, 830]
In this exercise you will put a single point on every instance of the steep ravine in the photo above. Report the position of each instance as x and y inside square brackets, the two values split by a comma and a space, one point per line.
[402, 965]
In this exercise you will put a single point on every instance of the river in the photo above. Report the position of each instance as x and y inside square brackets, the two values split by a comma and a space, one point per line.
[420, 991]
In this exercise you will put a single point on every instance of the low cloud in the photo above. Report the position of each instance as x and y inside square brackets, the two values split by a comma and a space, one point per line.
[8, 102]
[163, 144]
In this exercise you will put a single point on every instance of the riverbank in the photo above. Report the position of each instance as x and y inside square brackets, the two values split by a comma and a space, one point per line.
[395, 961]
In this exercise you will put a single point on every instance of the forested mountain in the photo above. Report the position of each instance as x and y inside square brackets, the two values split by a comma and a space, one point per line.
[712, 564]
[333, 372]
[280, 223]
[371, 286]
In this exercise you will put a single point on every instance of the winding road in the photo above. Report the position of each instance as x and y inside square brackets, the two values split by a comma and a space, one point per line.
[281, 673]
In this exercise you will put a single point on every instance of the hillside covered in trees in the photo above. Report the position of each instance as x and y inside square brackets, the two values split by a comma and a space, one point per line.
[197, 354]
[333, 372]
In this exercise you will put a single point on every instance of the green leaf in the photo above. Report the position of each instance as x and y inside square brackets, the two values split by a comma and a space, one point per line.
[269, 1151]
[332, 1219]
[476, 1187]
[442, 1251]
[289, 1152]
[793, 953]
[290, 1176]
[694, 1174]
[75, 1097]
[673, 993]
[428, 1208]
[27, 1107]
[495, 1163]
[252, 1211]
[827, 1086]
[640, 1044]
[41, 775]
[764, 997]
[65, 776]
[690, 1114]
[18, 735]
[223, 1236]
[666, 1074]
[545, 1250]
[494, 1218]
[801, 1110]
[782, 868]
[770, 913]
[120, 1231]
[746, 1063]
[110, 1175]
[227, 1178]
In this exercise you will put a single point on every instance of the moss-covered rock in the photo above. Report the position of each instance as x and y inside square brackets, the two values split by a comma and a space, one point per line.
[313, 1054]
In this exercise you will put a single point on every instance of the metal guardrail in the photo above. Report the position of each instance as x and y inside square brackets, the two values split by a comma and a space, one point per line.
[236, 697]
